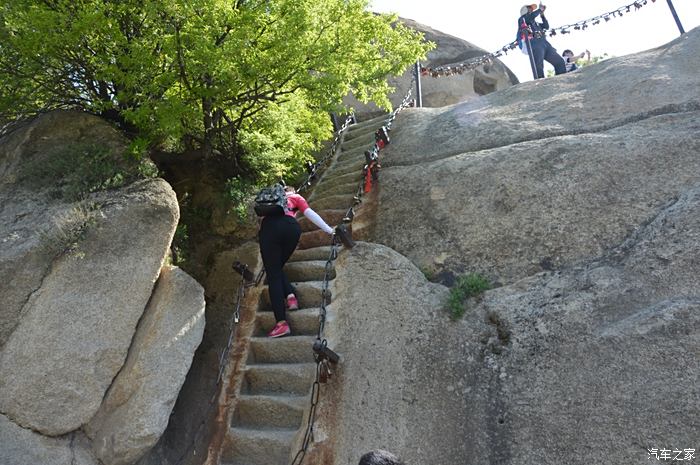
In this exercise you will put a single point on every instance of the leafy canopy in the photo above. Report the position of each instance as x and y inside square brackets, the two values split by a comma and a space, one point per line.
[249, 79]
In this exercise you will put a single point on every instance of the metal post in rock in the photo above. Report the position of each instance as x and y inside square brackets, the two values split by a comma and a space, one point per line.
[675, 16]
[419, 94]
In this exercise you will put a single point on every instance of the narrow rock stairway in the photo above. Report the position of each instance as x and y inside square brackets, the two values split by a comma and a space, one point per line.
[272, 408]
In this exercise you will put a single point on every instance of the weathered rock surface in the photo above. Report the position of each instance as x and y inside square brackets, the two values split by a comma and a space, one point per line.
[605, 353]
[137, 407]
[77, 327]
[193, 408]
[443, 91]
[77, 274]
[33, 223]
[544, 174]
[24, 447]
[535, 372]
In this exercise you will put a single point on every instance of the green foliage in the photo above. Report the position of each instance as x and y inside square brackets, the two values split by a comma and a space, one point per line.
[429, 272]
[68, 228]
[180, 245]
[72, 172]
[593, 60]
[467, 286]
[216, 76]
[278, 141]
[239, 194]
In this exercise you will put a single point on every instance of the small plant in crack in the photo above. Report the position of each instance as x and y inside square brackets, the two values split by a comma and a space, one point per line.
[69, 228]
[468, 286]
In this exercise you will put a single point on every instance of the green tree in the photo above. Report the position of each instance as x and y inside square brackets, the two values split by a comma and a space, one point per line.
[251, 80]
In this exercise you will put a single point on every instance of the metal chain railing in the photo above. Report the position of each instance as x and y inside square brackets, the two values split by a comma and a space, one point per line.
[312, 168]
[323, 355]
[370, 171]
[459, 68]
[247, 280]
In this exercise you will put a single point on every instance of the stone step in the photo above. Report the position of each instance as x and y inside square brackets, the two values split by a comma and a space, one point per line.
[365, 142]
[310, 270]
[332, 217]
[342, 178]
[350, 155]
[278, 412]
[249, 446]
[308, 294]
[301, 322]
[283, 378]
[353, 166]
[374, 123]
[335, 188]
[287, 349]
[335, 202]
[317, 238]
[316, 253]
[360, 131]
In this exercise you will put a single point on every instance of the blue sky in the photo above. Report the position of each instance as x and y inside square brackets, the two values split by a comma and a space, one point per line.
[492, 24]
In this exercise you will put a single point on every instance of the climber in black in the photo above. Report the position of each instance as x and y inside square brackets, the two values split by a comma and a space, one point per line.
[536, 33]
[278, 237]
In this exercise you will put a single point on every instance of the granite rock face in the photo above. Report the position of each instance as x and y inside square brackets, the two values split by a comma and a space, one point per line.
[137, 406]
[76, 329]
[578, 197]
[22, 447]
[546, 173]
[84, 337]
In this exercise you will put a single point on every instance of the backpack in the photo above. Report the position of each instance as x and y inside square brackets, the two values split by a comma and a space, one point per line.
[271, 201]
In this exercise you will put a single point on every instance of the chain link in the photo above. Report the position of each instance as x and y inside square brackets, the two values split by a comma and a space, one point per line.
[322, 368]
[313, 167]
[223, 359]
[459, 68]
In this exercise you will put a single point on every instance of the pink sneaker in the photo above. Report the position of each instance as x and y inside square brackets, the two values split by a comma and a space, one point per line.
[292, 302]
[280, 329]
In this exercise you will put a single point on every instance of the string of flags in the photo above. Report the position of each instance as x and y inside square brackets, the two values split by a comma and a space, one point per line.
[454, 69]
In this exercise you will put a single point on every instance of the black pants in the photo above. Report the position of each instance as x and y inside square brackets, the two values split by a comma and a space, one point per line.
[543, 50]
[279, 236]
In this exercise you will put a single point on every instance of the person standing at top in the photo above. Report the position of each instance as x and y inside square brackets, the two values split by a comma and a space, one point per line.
[541, 48]
[278, 238]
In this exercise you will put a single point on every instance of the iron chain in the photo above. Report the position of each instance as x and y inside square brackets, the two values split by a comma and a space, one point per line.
[321, 364]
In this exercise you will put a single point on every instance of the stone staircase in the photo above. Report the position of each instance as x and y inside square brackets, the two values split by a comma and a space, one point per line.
[271, 412]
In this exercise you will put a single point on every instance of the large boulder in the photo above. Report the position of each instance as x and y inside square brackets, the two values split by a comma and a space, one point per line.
[78, 266]
[36, 225]
[437, 92]
[76, 328]
[137, 407]
[546, 173]
[535, 372]
[23, 447]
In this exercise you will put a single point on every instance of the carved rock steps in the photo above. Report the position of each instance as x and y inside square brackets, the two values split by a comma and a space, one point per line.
[279, 373]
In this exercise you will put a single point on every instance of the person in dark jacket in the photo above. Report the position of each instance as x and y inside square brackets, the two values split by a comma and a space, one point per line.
[536, 32]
